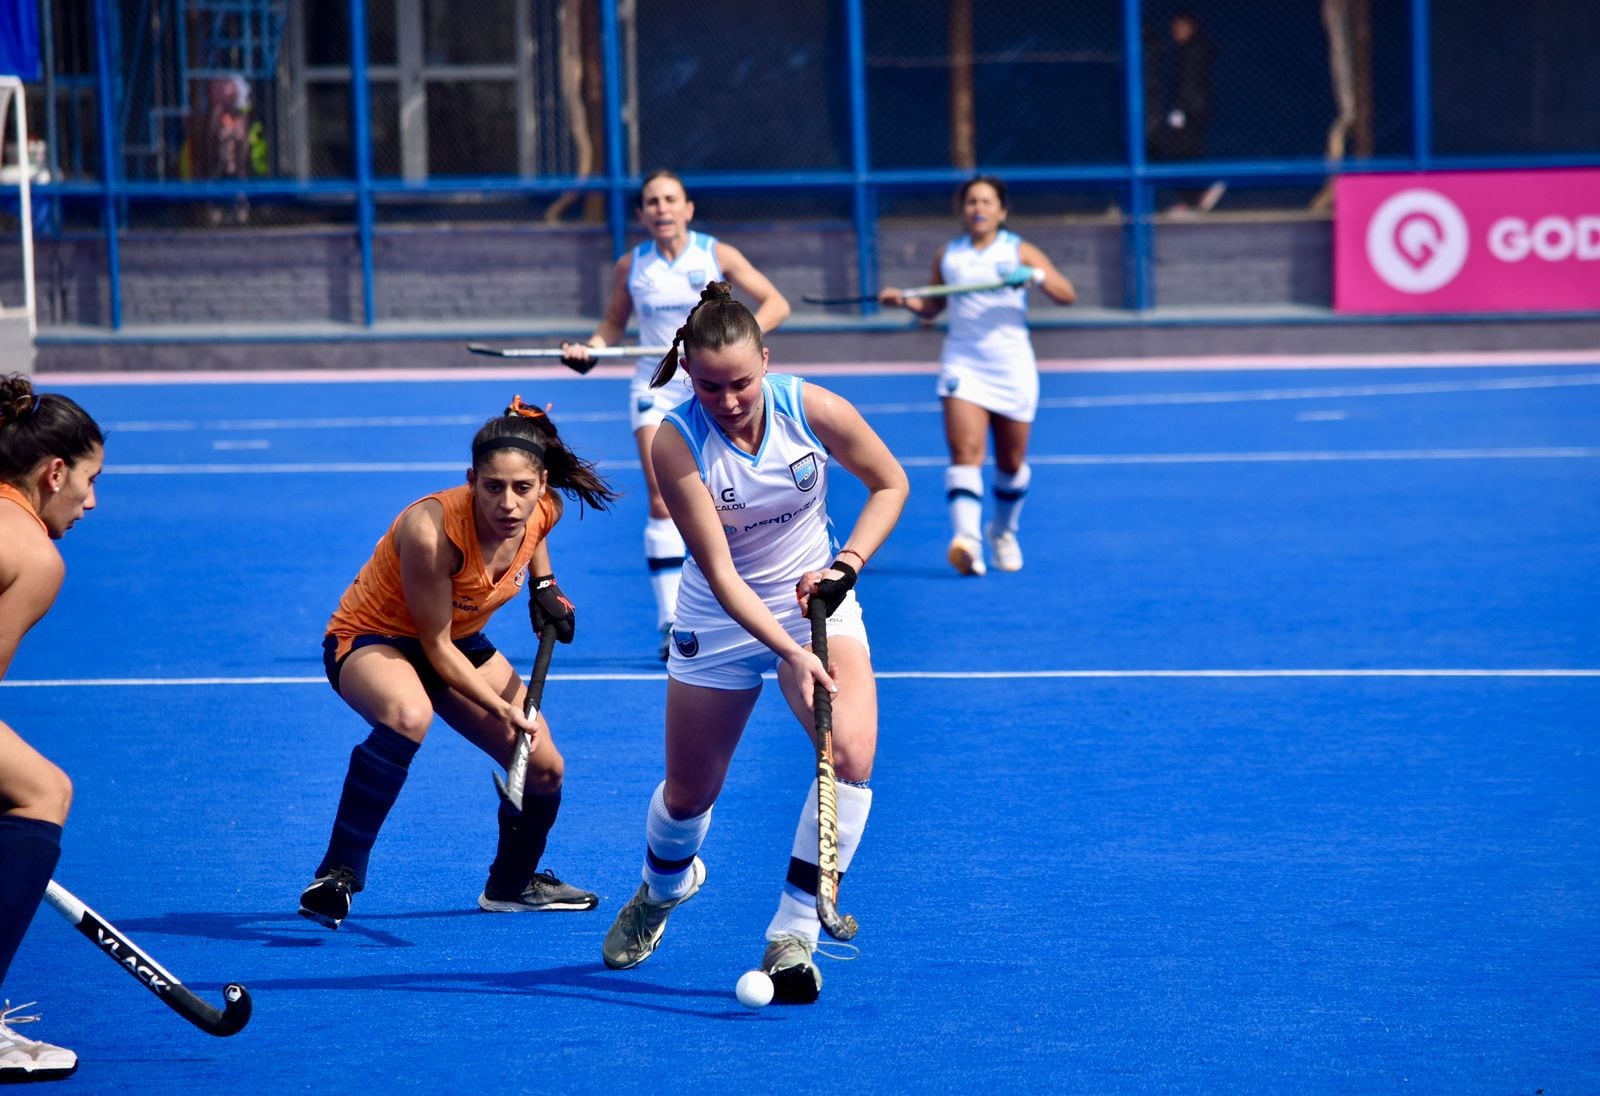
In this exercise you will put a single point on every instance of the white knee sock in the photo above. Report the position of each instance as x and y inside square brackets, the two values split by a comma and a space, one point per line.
[670, 847]
[797, 906]
[963, 492]
[1009, 493]
[663, 554]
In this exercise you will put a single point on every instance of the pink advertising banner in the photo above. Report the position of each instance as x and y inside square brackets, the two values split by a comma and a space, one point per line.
[1493, 241]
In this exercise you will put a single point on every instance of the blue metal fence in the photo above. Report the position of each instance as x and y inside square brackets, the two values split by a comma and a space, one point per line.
[1133, 177]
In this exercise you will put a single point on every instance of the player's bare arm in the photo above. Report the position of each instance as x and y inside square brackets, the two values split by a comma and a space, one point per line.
[1056, 285]
[771, 306]
[427, 561]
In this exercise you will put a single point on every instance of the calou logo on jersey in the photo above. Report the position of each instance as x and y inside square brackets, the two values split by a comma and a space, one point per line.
[688, 643]
[804, 472]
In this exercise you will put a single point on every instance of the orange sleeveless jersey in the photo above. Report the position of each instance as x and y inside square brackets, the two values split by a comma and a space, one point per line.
[375, 603]
[9, 492]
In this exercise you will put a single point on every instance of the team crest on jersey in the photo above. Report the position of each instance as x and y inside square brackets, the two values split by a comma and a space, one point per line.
[688, 643]
[697, 278]
[522, 576]
[804, 472]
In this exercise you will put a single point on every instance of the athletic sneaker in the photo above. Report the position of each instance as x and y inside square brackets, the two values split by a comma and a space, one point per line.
[543, 892]
[666, 641]
[327, 900]
[795, 978]
[27, 1059]
[638, 928]
[966, 555]
[1005, 550]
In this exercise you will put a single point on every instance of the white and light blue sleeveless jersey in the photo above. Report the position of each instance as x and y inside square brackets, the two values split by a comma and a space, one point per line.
[992, 326]
[663, 292]
[773, 503]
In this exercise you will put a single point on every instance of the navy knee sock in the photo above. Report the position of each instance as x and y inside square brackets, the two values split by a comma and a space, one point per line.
[377, 772]
[29, 849]
[522, 841]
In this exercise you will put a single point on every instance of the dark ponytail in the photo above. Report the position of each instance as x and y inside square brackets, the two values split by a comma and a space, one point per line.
[530, 430]
[35, 428]
[717, 321]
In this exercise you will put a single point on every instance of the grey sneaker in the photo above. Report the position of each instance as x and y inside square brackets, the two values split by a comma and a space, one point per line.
[543, 892]
[638, 928]
[795, 978]
[327, 900]
[23, 1059]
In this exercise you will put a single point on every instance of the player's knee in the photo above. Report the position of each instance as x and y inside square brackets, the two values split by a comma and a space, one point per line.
[54, 798]
[410, 719]
[685, 803]
[853, 762]
[546, 778]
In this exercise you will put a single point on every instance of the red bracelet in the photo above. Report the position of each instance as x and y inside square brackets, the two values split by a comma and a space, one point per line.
[853, 552]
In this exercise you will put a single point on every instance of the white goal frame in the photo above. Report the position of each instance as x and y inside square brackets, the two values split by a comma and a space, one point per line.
[13, 95]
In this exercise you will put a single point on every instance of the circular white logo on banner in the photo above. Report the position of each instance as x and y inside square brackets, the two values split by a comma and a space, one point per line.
[1417, 241]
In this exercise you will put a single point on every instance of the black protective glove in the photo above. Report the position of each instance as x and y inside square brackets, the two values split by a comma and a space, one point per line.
[579, 365]
[831, 591]
[548, 606]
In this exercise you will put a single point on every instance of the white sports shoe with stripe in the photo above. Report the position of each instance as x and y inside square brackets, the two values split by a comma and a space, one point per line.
[27, 1059]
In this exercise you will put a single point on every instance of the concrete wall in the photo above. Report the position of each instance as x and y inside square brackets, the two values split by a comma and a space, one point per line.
[214, 299]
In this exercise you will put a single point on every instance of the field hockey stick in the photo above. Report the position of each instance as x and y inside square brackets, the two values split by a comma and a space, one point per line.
[510, 788]
[227, 1020]
[595, 352]
[914, 291]
[839, 926]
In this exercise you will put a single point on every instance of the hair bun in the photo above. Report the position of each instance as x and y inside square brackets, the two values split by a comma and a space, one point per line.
[16, 398]
[717, 291]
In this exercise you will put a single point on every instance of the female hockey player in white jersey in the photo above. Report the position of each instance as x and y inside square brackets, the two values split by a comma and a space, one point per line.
[661, 280]
[988, 379]
[744, 472]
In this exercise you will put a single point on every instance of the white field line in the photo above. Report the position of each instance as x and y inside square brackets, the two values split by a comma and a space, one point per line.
[302, 468]
[1144, 399]
[887, 675]
[1198, 364]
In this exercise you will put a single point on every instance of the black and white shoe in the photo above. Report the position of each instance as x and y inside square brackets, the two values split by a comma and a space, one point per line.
[795, 978]
[543, 892]
[327, 900]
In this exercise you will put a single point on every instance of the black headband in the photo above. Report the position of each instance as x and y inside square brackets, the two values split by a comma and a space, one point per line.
[506, 441]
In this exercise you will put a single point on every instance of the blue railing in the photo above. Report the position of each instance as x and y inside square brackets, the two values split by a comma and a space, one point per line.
[1134, 178]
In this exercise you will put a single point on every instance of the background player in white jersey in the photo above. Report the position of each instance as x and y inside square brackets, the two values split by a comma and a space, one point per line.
[743, 467]
[661, 280]
[987, 375]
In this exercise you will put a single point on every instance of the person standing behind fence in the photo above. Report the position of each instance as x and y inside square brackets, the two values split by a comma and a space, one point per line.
[988, 378]
[661, 280]
[1184, 118]
[50, 454]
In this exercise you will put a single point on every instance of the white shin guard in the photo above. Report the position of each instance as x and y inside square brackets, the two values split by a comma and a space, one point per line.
[797, 908]
[671, 847]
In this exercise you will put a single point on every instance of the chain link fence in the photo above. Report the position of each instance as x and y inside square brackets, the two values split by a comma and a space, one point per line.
[505, 116]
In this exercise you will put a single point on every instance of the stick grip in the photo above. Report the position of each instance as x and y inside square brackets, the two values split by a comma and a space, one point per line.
[228, 1020]
[839, 926]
